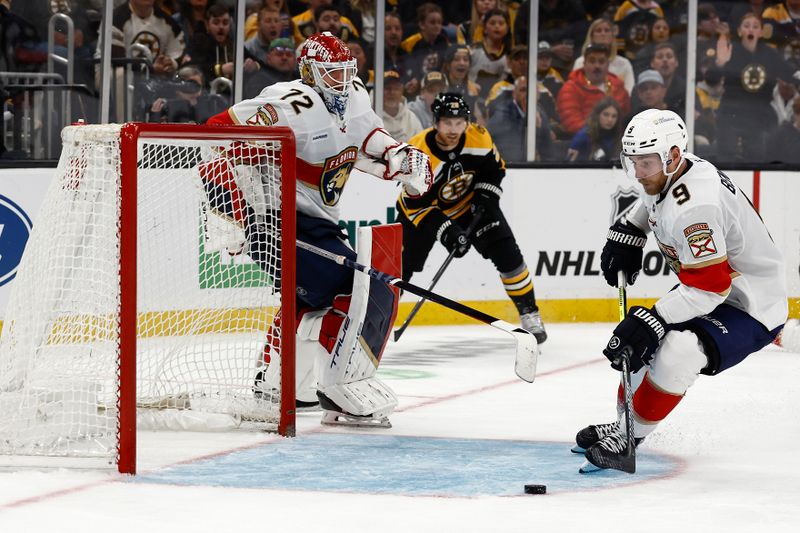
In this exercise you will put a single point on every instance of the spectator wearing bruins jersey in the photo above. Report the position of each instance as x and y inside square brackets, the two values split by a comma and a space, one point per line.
[467, 172]
[322, 16]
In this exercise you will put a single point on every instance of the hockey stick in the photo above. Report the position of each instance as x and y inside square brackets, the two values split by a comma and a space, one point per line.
[628, 463]
[527, 350]
[399, 331]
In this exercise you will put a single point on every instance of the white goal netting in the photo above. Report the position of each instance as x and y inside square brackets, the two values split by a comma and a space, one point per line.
[206, 305]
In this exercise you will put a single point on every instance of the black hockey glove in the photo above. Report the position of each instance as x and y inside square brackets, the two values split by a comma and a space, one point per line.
[639, 334]
[454, 238]
[486, 197]
[623, 251]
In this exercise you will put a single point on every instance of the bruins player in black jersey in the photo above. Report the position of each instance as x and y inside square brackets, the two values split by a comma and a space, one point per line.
[467, 173]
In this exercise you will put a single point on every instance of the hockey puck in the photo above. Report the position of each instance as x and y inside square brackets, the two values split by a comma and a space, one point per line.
[535, 489]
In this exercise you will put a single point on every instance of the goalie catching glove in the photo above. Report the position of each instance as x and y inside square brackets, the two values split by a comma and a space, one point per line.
[622, 252]
[640, 334]
[393, 160]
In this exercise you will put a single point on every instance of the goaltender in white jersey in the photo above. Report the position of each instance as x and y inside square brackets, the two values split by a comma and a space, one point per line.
[343, 321]
[731, 300]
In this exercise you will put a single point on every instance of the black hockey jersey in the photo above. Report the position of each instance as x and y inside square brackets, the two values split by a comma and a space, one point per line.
[475, 159]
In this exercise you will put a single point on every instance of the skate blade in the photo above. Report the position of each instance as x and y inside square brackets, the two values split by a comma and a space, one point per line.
[329, 418]
[578, 449]
[627, 465]
[307, 407]
[588, 468]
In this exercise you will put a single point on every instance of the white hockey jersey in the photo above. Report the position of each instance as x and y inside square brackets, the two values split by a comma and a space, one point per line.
[325, 154]
[717, 244]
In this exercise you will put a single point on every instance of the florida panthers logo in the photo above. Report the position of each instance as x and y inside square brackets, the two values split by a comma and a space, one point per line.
[671, 255]
[335, 173]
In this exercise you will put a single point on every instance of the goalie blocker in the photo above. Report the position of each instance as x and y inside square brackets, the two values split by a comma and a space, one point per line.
[339, 348]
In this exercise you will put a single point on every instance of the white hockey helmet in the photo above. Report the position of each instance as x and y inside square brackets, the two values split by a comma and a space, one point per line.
[653, 131]
[326, 64]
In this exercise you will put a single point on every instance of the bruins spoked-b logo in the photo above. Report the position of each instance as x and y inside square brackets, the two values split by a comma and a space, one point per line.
[457, 185]
[15, 228]
[754, 76]
[335, 172]
[150, 40]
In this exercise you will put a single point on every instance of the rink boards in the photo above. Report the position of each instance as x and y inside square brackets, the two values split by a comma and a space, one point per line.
[559, 216]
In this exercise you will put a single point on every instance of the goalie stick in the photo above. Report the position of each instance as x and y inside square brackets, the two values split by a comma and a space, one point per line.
[527, 350]
[399, 331]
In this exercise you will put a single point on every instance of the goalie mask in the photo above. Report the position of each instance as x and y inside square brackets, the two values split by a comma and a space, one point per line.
[653, 131]
[327, 65]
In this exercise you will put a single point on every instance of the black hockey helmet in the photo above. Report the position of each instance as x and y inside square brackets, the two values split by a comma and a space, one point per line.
[449, 105]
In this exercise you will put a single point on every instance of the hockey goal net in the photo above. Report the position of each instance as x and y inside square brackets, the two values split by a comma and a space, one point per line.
[141, 299]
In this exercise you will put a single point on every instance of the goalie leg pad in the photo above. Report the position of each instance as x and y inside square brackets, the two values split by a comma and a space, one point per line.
[356, 330]
[307, 352]
[372, 392]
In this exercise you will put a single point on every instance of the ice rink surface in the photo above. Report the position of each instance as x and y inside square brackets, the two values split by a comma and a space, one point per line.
[465, 439]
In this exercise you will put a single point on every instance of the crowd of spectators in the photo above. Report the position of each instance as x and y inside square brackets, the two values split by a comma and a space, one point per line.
[599, 62]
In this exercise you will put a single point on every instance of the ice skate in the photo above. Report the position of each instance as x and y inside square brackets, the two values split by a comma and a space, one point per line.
[334, 418]
[333, 415]
[532, 323]
[591, 435]
[609, 452]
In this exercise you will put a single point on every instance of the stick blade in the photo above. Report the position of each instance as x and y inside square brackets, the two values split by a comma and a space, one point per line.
[527, 351]
[527, 354]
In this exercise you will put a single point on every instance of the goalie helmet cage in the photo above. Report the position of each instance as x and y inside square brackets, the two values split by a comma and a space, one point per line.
[186, 320]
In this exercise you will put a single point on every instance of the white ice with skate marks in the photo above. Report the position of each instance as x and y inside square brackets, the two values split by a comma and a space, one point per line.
[728, 437]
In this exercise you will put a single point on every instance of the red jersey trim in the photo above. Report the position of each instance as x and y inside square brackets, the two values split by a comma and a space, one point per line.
[712, 276]
[309, 174]
[223, 118]
[653, 404]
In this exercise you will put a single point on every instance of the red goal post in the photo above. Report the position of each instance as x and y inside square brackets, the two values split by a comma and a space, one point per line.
[192, 318]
